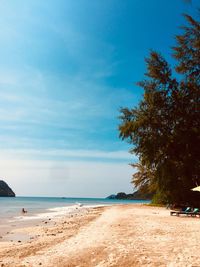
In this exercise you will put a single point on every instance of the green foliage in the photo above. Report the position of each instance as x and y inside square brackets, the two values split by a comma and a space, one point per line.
[165, 127]
[143, 178]
[159, 198]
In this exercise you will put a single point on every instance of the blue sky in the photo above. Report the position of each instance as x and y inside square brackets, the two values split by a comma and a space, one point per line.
[66, 67]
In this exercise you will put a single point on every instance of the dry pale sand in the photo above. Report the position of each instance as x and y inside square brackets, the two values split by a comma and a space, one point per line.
[128, 235]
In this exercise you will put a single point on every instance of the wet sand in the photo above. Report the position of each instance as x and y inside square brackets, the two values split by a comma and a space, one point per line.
[122, 235]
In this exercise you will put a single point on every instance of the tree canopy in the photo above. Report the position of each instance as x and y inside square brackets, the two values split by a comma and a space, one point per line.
[164, 128]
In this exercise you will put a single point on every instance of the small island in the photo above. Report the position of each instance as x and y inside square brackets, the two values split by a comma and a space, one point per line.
[137, 195]
[5, 190]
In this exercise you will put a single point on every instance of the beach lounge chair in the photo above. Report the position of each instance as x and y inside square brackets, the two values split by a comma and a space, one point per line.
[188, 211]
[194, 213]
[178, 212]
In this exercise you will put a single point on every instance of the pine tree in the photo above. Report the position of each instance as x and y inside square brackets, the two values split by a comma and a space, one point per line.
[165, 127]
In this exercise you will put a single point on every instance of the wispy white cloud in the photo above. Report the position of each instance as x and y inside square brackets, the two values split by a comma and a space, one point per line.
[76, 103]
[65, 154]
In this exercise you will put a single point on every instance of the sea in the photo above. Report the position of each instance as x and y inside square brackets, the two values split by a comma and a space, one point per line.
[11, 207]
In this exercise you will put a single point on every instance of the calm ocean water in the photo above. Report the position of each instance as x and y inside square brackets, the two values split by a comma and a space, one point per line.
[11, 207]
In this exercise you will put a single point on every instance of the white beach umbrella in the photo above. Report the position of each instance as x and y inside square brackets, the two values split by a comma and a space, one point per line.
[196, 188]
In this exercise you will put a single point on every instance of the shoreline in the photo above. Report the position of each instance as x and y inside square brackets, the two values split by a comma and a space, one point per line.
[10, 208]
[10, 225]
[35, 215]
[117, 236]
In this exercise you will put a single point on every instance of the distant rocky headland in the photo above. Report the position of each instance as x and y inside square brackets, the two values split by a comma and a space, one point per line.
[135, 196]
[5, 190]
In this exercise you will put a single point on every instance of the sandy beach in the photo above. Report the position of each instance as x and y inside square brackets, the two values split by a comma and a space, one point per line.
[122, 235]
